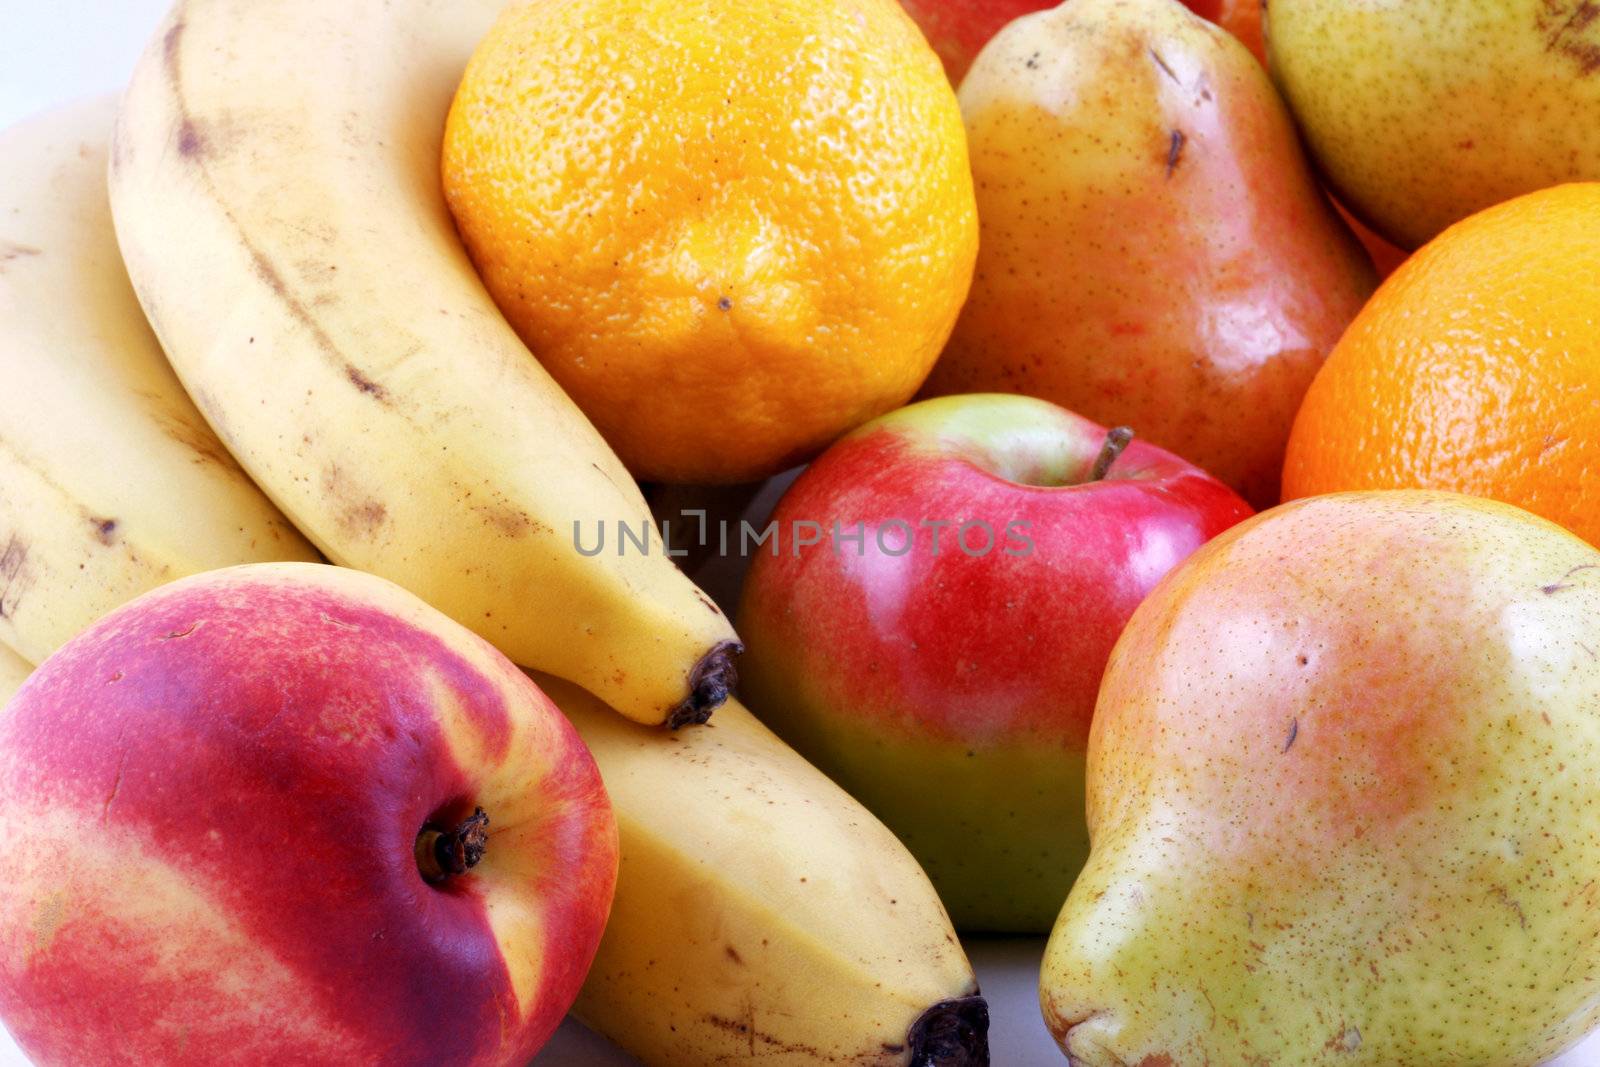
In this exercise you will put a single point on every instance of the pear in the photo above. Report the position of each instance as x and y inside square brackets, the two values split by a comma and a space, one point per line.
[1343, 799]
[1154, 250]
[1424, 112]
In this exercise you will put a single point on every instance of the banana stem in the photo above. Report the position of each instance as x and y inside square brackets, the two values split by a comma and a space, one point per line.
[710, 683]
[952, 1033]
[445, 854]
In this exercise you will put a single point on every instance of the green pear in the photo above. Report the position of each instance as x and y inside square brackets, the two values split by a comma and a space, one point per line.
[1344, 799]
[1422, 112]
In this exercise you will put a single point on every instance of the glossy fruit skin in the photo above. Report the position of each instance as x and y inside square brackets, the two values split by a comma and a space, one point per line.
[211, 800]
[1155, 251]
[1422, 113]
[958, 29]
[1475, 368]
[732, 232]
[952, 693]
[1342, 781]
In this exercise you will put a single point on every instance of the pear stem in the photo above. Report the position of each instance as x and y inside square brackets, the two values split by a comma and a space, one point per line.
[446, 854]
[1116, 441]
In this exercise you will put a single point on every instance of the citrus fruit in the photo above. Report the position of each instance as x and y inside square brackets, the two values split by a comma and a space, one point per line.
[732, 231]
[1475, 367]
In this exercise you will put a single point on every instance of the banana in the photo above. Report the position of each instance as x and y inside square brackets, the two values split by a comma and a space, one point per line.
[110, 481]
[14, 670]
[761, 914]
[275, 184]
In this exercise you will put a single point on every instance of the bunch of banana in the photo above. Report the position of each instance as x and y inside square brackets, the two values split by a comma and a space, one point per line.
[275, 185]
[325, 319]
[110, 481]
[762, 914]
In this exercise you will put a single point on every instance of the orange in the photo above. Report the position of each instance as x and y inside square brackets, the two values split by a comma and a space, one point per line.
[1475, 367]
[731, 231]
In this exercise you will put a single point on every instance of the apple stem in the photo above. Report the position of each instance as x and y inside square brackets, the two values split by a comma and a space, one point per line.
[444, 854]
[1116, 441]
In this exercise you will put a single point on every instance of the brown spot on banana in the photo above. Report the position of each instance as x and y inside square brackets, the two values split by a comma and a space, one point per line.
[192, 146]
[195, 437]
[11, 250]
[357, 514]
[190, 143]
[169, 43]
[362, 382]
[510, 521]
[13, 575]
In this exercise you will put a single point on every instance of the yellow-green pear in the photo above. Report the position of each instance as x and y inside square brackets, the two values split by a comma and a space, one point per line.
[1422, 112]
[1344, 799]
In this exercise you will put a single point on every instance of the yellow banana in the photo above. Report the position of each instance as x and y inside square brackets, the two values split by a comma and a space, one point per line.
[110, 481]
[761, 914]
[275, 182]
[14, 670]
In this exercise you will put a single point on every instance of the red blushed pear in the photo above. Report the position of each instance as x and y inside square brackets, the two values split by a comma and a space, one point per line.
[290, 814]
[940, 660]
[958, 29]
[1343, 784]
[1154, 247]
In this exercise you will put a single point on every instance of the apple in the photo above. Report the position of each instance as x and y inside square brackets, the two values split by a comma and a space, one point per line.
[1342, 788]
[287, 813]
[958, 29]
[948, 687]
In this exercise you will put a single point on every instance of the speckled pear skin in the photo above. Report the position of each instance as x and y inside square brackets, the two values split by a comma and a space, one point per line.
[1422, 112]
[1344, 799]
[1154, 249]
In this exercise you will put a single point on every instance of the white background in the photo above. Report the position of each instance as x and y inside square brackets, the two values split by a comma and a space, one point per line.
[57, 50]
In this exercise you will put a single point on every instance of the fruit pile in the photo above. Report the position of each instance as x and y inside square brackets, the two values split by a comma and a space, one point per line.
[379, 376]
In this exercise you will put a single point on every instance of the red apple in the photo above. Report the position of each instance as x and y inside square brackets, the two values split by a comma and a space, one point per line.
[951, 690]
[241, 827]
[958, 29]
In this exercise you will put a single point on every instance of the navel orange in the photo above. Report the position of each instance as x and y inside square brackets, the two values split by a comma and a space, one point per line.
[1475, 367]
[732, 231]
